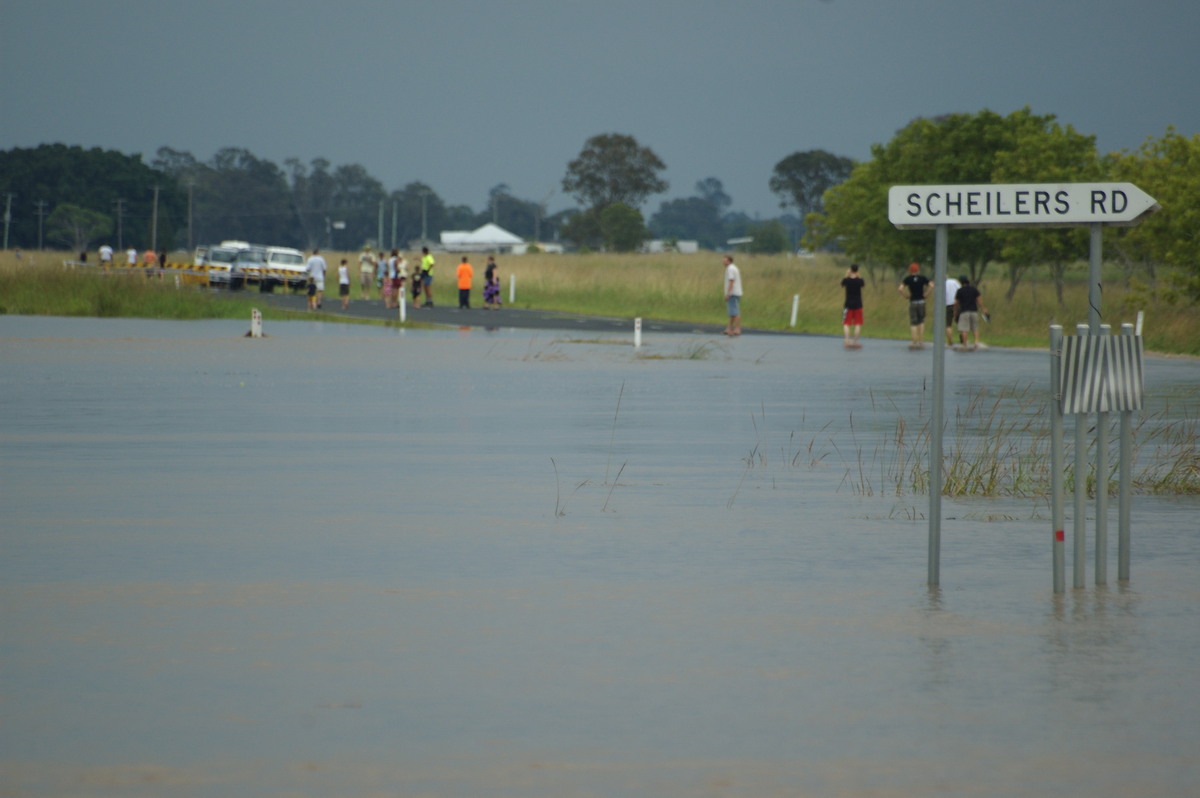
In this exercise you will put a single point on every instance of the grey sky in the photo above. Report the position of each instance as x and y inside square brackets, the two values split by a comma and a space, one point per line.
[466, 94]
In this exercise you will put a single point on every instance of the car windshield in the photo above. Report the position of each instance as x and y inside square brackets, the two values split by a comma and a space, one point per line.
[218, 255]
[249, 256]
[286, 257]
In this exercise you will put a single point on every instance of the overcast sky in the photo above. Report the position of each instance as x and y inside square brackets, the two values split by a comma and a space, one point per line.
[467, 94]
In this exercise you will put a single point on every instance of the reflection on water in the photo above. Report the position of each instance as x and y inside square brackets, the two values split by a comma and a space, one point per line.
[350, 561]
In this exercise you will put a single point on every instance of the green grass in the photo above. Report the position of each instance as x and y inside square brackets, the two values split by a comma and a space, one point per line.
[670, 287]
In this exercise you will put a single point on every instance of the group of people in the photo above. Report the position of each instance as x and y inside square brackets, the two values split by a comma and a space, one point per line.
[390, 275]
[149, 258]
[963, 303]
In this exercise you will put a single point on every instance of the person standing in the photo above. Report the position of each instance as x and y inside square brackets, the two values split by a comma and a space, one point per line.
[131, 257]
[366, 271]
[918, 287]
[106, 256]
[952, 287]
[968, 301]
[465, 273]
[491, 285]
[733, 297]
[389, 281]
[316, 272]
[427, 264]
[852, 308]
[344, 283]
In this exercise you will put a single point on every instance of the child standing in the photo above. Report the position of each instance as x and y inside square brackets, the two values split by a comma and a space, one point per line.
[344, 283]
[491, 285]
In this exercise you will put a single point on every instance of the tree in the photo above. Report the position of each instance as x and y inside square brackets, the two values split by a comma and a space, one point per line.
[696, 218]
[688, 218]
[770, 237]
[802, 178]
[957, 148]
[614, 168]
[1044, 152]
[1167, 169]
[77, 227]
[712, 191]
[622, 227]
[49, 175]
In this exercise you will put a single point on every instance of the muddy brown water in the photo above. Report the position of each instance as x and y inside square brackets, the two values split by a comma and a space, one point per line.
[353, 561]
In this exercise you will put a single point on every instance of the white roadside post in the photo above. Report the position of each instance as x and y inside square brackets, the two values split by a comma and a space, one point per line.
[1011, 205]
[637, 333]
[795, 308]
[255, 323]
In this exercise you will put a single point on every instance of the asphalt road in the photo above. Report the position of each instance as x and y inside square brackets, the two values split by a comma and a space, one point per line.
[521, 318]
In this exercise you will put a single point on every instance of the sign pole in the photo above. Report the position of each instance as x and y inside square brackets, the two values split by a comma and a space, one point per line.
[941, 247]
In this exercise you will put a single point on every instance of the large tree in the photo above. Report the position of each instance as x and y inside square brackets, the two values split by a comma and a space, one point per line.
[612, 168]
[957, 148]
[77, 227]
[802, 178]
[698, 218]
[1167, 169]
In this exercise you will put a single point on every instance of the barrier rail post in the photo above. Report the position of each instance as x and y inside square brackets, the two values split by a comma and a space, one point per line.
[1057, 499]
[1102, 479]
[1079, 522]
[1124, 485]
[795, 308]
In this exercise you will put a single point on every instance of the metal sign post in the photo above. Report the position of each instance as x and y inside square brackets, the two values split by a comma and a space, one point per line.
[1013, 205]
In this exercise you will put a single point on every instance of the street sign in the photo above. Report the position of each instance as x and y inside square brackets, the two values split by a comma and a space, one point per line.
[1013, 205]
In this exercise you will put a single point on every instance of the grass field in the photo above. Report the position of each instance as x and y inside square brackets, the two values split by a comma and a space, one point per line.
[672, 286]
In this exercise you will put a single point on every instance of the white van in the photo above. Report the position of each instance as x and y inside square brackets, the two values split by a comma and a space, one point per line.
[219, 259]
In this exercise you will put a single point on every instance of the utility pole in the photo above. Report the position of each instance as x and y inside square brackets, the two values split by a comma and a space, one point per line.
[120, 214]
[154, 224]
[379, 238]
[424, 217]
[394, 209]
[7, 217]
[41, 214]
[191, 242]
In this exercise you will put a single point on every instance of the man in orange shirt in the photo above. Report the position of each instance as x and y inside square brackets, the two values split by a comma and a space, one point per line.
[465, 274]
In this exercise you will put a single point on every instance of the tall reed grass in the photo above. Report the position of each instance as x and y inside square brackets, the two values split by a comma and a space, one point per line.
[42, 286]
[997, 444]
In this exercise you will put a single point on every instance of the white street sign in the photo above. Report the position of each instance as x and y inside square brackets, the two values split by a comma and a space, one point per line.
[1011, 205]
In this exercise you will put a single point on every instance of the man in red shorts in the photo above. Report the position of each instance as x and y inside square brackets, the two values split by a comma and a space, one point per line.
[852, 311]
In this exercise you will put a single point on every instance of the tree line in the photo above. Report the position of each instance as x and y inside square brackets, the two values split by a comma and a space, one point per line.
[71, 197]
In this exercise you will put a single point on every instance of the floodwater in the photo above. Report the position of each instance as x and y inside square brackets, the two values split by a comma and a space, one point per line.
[355, 561]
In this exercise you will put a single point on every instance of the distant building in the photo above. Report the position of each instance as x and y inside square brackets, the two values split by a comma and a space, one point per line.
[489, 238]
[659, 245]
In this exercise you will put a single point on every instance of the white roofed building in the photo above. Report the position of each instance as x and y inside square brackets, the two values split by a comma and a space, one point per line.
[489, 238]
